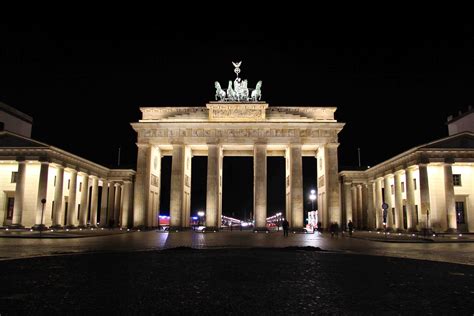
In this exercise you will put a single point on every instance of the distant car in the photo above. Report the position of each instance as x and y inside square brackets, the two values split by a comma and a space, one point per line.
[163, 228]
[200, 228]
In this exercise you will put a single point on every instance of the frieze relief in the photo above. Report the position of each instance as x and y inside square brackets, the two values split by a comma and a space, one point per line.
[237, 132]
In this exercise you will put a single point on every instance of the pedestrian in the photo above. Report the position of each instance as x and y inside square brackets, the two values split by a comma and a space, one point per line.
[336, 229]
[332, 229]
[320, 228]
[350, 226]
[285, 225]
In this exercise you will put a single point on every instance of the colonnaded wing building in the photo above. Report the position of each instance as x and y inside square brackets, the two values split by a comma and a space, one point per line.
[43, 185]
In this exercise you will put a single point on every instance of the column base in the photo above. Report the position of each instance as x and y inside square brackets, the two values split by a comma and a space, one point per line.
[70, 227]
[39, 227]
[57, 226]
[452, 230]
[15, 226]
[412, 230]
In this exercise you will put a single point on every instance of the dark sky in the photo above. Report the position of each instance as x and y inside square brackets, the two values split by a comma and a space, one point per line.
[393, 84]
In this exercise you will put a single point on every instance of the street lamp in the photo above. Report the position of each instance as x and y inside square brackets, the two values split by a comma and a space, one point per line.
[200, 214]
[312, 197]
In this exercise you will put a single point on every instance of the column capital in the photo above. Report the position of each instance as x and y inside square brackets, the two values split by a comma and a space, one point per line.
[331, 145]
[143, 145]
[399, 172]
[411, 167]
[347, 182]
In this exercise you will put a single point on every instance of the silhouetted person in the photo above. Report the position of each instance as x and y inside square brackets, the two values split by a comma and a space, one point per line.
[320, 228]
[285, 226]
[350, 226]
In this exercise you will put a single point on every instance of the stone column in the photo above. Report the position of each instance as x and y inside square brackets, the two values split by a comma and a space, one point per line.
[355, 220]
[42, 193]
[177, 184]
[84, 199]
[296, 186]
[398, 200]
[58, 198]
[388, 200]
[360, 221]
[332, 183]
[348, 201]
[410, 200]
[142, 185]
[449, 196]
[117, 204]
[424, 194]
[364, 206]
[186, 210]
[371, 222]
[212, 197]
[94, 201]
[103, 204]
[378, 203]
[260, 185]
[19, 195]
[127, 202]
[111, 204]
[72, 207]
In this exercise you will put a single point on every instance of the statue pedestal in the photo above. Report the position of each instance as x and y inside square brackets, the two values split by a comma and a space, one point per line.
[237, 112]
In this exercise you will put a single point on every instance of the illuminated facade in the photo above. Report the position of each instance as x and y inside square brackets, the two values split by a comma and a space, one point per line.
[72, 188]
[427, 187]
[235, 129]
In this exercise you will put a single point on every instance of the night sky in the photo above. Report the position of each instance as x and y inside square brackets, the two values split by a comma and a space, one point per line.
[393, 84]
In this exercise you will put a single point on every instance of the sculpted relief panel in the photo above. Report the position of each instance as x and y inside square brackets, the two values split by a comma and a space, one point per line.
[237, 132]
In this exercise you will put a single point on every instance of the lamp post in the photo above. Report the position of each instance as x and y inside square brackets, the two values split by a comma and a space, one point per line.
[43, 201]
[200, 214]
[312, 197]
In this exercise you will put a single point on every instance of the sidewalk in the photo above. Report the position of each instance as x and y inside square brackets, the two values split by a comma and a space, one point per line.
[412, 237]
[60, 233]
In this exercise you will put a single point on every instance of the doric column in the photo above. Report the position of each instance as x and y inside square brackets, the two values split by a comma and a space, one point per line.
[155, 188]
[360, 221]
[103, 203]
[94, 200]
[411, 216]
[388, 200]
[212, 197]
[42, 193]
[111, 204]
[295, 177]
[58, 198]
[370, 206]
[142, 185]
[260, 185]
[449, 196]
[186, 209]
[364, 206]
[354, 203]
[378, 203]
[332, 183]
[19, 195]
[84, 199]
[127, 202]
[424, 193]
[348, 201]
[398, 200]
[72, 208]
[117, 204]
[177, 184]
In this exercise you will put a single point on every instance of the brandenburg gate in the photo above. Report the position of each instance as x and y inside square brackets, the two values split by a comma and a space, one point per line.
[237, 124]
